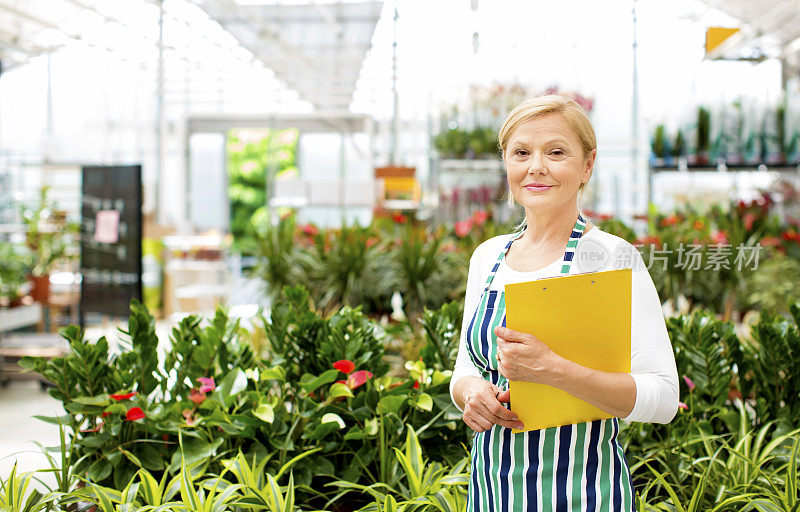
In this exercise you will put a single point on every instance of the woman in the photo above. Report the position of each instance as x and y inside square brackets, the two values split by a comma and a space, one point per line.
[549, 148]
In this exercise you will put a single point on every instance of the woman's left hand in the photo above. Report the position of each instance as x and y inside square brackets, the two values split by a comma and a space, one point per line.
[524, 357]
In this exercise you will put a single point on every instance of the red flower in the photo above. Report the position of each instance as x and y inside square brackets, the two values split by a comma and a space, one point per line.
[683, 406]
[106, 414]
[749, 219]
[649, 240]
[480, 217]
[358, 378]
[135, 413]
[310, 230]
[197, 397]
[371, 241]
[463, 228]
[123, 396]
[669, 221]
[207, 384]
[345, 366]
[770, 241]
[791, 236]
[720, 237]
[399, 218]
[416, 384]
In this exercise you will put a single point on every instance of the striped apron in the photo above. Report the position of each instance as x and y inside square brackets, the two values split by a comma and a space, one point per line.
[579, 467]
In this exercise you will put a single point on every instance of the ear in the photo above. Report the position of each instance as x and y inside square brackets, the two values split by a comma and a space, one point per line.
[587, 172]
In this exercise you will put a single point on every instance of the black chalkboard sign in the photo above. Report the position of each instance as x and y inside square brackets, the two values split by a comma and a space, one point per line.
[111, 239]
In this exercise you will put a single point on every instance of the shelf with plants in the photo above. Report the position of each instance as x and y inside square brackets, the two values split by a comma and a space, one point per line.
[743, 135]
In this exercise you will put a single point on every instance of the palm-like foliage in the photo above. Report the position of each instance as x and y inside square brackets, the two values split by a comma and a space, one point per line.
[419, 268]
[344, 267]
[278, 253]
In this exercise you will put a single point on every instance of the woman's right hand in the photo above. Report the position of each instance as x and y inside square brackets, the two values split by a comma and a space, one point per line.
[483, 406]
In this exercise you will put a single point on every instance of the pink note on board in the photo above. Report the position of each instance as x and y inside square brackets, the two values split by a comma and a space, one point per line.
[106, 227]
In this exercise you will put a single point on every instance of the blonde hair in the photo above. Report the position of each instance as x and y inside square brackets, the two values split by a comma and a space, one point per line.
[541, 106]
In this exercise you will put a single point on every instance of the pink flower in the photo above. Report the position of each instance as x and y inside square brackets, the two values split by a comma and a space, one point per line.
[689, 383]
[123, 396]
[479, 217]
[720, 237]
[310, 230]
[463, 228]
[196, 396]
[207, 384]
[749, 219]
[683, 406]
[135, 413]
[358, 378]
[345, 366]
[188, 415]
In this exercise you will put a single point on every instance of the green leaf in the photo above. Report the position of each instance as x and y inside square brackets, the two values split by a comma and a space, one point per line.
[100, 400]
[100, 470]
[264, 412]
[310, 383]
[333, 418]
[338, 390]
[233, 384]
[425, 402]
[390, 404]
[275, 373]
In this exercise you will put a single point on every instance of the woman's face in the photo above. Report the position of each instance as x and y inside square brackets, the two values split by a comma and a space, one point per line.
[546, 151]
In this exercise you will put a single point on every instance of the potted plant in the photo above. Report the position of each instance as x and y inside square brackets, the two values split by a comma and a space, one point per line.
[13, 272]
[658, 146]
[49, 238]
[703, 135]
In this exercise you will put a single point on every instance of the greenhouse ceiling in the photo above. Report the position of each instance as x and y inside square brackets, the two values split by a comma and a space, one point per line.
[315, 48]
[770, 28]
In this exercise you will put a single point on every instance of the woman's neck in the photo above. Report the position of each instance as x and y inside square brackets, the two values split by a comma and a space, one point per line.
[546, 228]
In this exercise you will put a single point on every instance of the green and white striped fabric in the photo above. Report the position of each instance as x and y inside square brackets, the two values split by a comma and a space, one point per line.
[577, 467]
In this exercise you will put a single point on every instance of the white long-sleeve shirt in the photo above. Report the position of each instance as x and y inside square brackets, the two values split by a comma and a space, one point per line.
[652, 359]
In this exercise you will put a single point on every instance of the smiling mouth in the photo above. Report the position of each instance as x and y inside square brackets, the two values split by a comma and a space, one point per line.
[536, 188]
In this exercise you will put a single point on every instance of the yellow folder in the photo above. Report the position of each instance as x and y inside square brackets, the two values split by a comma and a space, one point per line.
[585, 318]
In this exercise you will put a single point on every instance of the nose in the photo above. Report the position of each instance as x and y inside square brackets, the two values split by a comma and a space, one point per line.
[537, 163]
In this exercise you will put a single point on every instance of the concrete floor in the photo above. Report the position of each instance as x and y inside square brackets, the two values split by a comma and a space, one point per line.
[19, 402]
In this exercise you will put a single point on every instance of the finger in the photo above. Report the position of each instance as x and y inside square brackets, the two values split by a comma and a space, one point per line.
[498, 411]
[481, 421]
[475, 426]
[517, 424]
[510, 334]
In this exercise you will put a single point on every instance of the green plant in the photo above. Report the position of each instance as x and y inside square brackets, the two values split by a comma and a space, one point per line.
[441, 328]
[658, 145]
[344, 267]
[14, 267]
[255, 159]
[679, 146]
[703, 129]
[769, 371]
[17, 494]
[418, 269]
[49, 236]
[277, 255]
[418, 483]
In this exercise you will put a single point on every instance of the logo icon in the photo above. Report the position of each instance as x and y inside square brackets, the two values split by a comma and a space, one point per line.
[590, 256]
